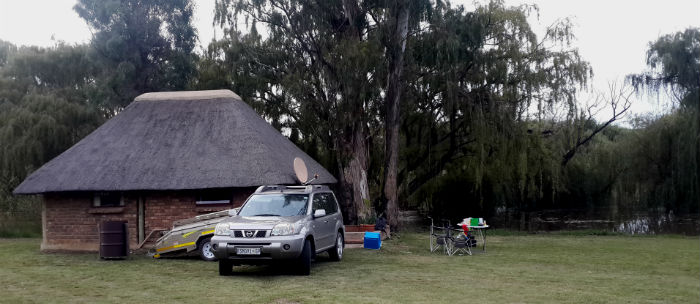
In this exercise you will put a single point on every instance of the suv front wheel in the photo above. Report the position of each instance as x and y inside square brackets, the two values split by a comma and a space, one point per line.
[305, 259]
[225, 267]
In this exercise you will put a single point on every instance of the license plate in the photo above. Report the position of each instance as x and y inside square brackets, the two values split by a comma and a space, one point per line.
[248, 251]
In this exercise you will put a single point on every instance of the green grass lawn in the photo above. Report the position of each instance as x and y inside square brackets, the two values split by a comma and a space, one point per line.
[556, 268]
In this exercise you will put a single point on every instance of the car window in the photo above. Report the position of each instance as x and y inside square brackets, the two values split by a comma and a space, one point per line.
[332, 204]
[326, 202]
[275, 205]
[318, 203]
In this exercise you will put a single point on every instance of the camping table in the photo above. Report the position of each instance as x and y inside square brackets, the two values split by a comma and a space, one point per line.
[481, 233]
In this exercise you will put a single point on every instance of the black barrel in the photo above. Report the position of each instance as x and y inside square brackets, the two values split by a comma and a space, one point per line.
[114, 243]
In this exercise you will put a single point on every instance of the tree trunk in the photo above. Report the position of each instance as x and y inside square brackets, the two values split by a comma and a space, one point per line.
[352, 164]
[395, 52]
[350, 140]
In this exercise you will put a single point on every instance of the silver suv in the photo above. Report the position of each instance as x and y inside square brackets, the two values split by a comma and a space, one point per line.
[290, 223]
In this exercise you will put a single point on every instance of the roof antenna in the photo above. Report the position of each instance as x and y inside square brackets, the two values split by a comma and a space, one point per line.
[311, 180]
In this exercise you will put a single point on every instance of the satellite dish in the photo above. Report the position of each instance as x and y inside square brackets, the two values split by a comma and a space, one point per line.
[300, 170]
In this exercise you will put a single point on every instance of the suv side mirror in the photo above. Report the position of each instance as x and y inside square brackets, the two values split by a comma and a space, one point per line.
[319, 213]
[233, 212]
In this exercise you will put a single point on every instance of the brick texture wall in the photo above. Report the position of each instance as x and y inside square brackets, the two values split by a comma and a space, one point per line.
[70, 222]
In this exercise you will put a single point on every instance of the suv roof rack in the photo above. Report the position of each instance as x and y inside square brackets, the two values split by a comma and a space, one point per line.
[285, 188]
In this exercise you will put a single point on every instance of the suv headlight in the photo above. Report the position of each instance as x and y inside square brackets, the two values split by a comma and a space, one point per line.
[222, 229]
[285, 229]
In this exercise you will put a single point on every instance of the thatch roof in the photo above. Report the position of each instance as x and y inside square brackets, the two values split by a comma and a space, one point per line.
[175, 141]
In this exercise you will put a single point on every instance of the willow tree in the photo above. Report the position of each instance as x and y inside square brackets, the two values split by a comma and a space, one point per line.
[479, 80]
[43, 111]
[43, 107]
[674, 64]
[674, 67]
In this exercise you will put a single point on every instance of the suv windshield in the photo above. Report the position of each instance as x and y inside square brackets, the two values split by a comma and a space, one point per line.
[275, 205]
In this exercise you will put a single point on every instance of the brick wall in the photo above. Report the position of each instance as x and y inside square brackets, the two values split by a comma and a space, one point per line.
[70, 222]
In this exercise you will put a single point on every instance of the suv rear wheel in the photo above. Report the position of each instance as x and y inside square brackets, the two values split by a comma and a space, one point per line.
[336, 252]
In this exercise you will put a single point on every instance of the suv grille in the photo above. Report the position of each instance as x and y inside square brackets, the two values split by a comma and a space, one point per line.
[249, 233]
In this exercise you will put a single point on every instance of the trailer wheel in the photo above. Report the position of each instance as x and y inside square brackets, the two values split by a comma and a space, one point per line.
[204, 247]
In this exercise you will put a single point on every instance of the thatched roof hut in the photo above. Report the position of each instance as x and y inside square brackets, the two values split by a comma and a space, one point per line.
[166, 157]
[176, 141]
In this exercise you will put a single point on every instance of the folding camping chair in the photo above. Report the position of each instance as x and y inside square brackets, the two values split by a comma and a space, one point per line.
[461, 243]
[440, 237]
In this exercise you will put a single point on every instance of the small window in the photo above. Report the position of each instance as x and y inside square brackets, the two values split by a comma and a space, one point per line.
[214, 196]
[107, 199]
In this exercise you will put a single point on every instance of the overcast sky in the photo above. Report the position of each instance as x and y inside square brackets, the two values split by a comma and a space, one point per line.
[612, 35]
